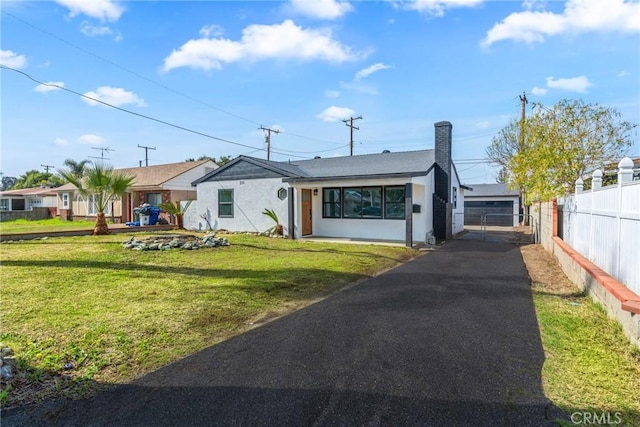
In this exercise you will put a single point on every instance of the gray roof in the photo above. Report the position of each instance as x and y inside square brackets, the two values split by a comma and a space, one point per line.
[366, 165]
[489, 190]
[406, 162]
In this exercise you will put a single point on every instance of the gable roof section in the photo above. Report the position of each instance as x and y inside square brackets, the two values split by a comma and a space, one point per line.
[491, 190]
[361, 166]
[245, 167]
[30, 192]
[151, 176]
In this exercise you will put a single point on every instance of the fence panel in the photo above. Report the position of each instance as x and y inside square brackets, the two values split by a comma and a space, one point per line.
[604, 226]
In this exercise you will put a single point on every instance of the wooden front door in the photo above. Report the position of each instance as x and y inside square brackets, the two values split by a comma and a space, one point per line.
[307, 228]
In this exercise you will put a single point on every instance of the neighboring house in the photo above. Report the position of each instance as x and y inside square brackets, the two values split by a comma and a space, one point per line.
[495, 202]
[153, 184]
[404, 196]
[25, 199]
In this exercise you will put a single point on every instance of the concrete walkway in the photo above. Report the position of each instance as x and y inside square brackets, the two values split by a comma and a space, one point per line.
[449, 339]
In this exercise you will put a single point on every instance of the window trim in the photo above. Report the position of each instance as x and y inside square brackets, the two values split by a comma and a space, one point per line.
[383, 207]
[231, 203]
[339, 202]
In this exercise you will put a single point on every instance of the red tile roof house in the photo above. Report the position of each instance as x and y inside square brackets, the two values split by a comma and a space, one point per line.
[406, 197]
[153, 184]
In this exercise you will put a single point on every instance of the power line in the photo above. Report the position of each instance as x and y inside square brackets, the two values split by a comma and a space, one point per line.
[141, 115]
[47, 167]
[191, 98]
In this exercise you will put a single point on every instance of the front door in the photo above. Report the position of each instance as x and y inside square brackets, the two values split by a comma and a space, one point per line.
[306, 213]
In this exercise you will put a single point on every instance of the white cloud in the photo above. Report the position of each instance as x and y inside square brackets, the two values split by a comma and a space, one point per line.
[623, 73]
[261, 42]
[539, 91]
[61, 142]
[370, 70]
[334, 114]
[579, 16]
[574, 84]
[437, 7]
[105, 10]
[212, 30]
[482, 124]
[322, 9]
[96, 31]
[534, 4]
[11, 59]
[114, 96]
[48, 87]
[91, 139]
[332, 93]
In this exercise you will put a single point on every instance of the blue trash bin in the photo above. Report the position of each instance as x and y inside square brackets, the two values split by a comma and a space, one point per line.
[154, 214]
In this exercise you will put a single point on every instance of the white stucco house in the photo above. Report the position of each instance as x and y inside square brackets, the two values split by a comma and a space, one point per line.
[405, 196]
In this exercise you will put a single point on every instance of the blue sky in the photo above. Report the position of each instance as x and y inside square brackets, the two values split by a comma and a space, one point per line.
[225, 68]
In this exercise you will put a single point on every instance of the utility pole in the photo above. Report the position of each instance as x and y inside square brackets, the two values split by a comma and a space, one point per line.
[267, 137]
[522, 195]
[146, 153]
[102, 151]
[47, 167]
[523, 103]
[349, 123]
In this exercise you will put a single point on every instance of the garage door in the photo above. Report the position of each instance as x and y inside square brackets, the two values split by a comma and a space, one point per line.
[499, 212]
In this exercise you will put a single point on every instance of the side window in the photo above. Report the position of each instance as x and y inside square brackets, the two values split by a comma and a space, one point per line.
[65, 200]
[225, 203]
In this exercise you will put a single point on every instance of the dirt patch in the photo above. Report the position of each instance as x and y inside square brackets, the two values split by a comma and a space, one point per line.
[545, 272]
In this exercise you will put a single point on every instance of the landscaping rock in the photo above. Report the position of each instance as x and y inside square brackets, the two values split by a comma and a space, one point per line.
[181, 241]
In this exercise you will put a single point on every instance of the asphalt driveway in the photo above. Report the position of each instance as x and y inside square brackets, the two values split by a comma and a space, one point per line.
[449, 339]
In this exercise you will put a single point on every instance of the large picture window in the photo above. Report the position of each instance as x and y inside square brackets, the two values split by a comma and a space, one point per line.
[225, 203]
[331, 203]
[394, 202]
[364, 202]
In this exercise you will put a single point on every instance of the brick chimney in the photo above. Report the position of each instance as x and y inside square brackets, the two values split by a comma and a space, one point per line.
[442, 226]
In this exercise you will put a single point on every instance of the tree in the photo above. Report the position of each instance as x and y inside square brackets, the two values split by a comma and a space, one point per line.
[36, 178]
[8, 182]
[505, 145]
[101, 184]
[222, 161]
[564, 142]
[76, 168]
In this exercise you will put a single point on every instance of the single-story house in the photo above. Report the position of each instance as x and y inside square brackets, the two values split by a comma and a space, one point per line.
[411, 197]
[497, 203]
[25, 199]
[153, 185]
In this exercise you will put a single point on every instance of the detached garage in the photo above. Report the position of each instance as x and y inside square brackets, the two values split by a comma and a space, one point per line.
[499, 204]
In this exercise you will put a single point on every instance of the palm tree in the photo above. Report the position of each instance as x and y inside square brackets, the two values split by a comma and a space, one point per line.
[77, 168]
[101, 183]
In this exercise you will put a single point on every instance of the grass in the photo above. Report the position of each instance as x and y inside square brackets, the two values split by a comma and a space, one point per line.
[115, 314]
[590, 366]
[52, 224]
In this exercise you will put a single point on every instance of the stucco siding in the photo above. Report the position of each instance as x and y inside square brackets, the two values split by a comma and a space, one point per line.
[250, 197]
[184, 180]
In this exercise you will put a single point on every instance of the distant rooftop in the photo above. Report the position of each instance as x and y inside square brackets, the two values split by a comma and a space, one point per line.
[484, 190]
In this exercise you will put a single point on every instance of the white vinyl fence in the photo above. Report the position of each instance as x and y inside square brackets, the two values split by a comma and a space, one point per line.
[603, 224]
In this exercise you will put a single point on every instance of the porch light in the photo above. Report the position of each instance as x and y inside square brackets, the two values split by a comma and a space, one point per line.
[315, 191]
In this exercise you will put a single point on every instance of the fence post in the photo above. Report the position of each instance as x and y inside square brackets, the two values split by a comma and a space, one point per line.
[596, 180]
[579, 186]
[625, 171]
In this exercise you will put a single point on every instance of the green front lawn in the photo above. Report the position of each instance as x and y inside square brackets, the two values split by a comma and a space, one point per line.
[114, 314]
[41, 225]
